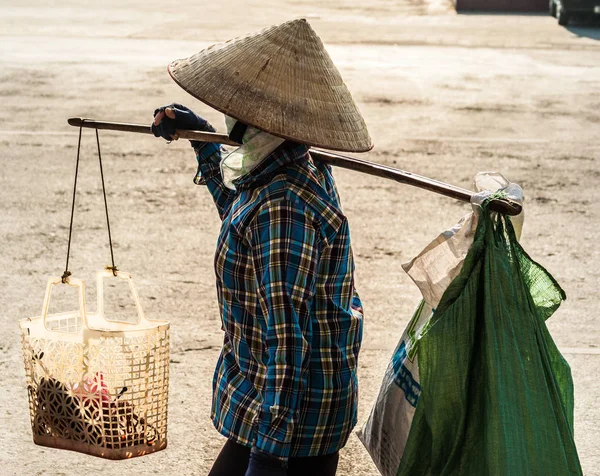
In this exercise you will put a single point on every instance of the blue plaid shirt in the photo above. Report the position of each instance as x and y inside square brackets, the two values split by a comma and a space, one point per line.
[286, 380]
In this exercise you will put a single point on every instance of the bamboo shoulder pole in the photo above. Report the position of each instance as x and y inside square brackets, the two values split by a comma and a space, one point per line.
[506, 206]
[144, 129]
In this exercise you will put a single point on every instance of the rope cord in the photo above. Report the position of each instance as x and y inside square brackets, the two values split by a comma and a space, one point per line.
[113, 268]
[67, 273]
[112, 254]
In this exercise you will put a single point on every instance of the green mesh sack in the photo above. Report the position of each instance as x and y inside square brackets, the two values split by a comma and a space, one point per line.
[496, 394]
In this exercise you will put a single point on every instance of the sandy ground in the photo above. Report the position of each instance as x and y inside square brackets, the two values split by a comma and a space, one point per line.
[444, 95]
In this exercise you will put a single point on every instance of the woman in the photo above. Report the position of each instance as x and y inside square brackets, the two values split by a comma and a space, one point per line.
[285, 386]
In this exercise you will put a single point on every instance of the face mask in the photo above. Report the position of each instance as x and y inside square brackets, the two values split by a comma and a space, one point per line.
[256, 146]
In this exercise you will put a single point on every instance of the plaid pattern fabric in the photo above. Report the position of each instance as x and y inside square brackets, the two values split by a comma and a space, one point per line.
[285, 381]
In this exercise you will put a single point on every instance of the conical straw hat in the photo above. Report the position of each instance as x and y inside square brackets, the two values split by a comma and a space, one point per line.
[280, 80]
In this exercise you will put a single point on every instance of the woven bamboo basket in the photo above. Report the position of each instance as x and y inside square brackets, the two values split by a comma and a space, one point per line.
[97, 386]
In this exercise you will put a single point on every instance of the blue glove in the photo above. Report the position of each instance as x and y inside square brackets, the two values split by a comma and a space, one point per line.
[168, 119]
[262, 464]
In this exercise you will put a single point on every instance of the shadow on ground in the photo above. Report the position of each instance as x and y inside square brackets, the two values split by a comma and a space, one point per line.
[501, 13]
[585, 27]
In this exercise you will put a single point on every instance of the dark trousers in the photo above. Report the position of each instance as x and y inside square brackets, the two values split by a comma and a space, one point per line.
[233, 461]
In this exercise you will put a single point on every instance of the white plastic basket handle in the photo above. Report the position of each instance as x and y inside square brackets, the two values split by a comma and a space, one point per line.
[108, 273]
[70, 281]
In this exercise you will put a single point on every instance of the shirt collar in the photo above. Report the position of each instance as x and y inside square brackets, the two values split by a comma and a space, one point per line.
[285, 155]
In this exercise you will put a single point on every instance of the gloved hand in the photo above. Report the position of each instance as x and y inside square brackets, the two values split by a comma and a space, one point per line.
[262, 464]
[168, 119]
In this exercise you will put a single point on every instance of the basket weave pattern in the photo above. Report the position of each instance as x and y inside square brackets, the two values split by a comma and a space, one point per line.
[104, 394]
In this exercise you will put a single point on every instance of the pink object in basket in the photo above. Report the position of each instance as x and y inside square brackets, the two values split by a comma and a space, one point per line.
[92, 390]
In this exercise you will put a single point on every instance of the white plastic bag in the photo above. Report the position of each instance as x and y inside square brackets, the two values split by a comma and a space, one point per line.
[386, 431]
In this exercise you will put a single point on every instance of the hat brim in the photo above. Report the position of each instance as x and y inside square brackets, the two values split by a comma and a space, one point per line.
[280, 80]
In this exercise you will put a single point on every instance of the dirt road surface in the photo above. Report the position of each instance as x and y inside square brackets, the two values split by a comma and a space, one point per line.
[444, 95]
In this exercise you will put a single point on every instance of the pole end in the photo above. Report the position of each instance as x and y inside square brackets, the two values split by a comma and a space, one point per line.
[506, 206]
[76, 121]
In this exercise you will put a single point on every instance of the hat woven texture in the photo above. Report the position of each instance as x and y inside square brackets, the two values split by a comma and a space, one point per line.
[280, 80]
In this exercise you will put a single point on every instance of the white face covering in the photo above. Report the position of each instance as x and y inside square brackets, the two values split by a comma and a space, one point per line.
[256, 146]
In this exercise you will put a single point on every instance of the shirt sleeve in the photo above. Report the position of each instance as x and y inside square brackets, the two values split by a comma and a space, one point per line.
[284, 252]
[208, 156]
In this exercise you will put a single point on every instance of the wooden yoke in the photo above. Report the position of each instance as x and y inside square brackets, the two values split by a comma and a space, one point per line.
[505, 206]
